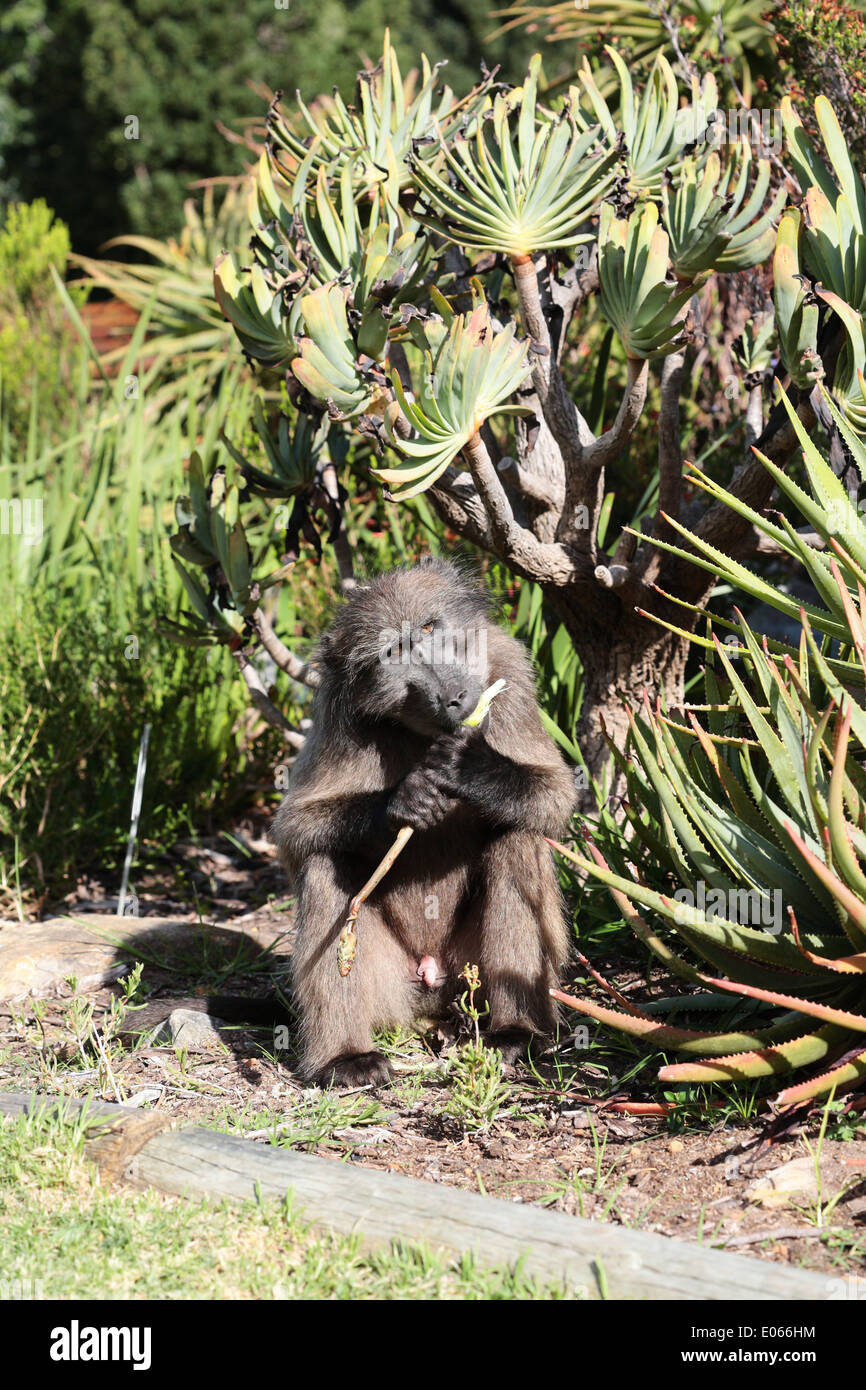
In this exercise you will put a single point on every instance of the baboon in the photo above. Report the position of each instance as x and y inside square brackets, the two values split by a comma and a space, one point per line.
[403, 665]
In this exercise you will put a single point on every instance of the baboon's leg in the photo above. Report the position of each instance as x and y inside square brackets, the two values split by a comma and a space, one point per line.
[338, 1014]
[516, 934]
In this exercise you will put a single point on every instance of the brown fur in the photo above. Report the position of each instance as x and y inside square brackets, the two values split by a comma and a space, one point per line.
[475, 883]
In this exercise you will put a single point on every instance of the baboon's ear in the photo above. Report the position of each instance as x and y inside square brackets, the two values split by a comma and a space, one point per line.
[426, 560]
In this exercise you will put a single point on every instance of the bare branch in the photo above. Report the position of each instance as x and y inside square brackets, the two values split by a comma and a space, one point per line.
[342, 548]
[467, 518]
[263, 703]
[299, 670]
[565, 421]
[754, 414]
[534, 559]
[767, 545]
[570, 293]
[670, 452]
[616, 439]
[670, 462]
[685, 64]
[752, 483]
[493, 494]
[531, 485]
[612, 576]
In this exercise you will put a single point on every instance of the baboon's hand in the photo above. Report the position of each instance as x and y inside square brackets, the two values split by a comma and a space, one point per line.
[429, 791]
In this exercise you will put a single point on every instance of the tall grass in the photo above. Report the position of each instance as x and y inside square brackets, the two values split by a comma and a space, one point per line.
[86, 577]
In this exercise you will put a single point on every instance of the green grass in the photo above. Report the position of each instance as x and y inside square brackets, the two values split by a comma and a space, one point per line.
[66, 1237]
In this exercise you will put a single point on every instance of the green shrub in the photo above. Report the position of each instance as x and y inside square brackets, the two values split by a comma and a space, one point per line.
[75, 700]
[39, 351]
[87, 584]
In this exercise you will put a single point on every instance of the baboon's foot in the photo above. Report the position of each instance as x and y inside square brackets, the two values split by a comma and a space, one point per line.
[355, 1069]
[513, 1043]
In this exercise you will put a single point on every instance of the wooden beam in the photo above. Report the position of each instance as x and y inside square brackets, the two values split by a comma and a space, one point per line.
[605, 1260]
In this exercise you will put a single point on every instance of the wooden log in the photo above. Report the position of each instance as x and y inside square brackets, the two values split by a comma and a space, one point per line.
[607, 1261]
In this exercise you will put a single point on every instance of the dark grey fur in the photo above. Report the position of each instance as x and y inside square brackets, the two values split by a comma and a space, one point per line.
[475, 884]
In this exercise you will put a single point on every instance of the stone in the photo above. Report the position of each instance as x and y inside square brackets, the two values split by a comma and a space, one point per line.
[191, 1029]
[777, 1188]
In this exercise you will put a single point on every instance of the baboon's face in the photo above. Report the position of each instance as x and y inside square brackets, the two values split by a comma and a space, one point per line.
[415, 648]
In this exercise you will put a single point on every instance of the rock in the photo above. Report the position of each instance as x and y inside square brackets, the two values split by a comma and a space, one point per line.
[148, 1096]
[197, 1032]
[37, 958]
[776, 1188]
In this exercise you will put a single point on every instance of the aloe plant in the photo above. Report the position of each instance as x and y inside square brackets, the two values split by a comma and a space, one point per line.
[711, 222]
[652, 129]
[394, 115]
[639, 297]
[428, 274]
[826, 240]
[526, 182]
[757, 799]
[469, 376]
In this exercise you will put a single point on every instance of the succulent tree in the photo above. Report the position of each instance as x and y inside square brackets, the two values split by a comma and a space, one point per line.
[746, 874]
[430, 276]
[739, 32]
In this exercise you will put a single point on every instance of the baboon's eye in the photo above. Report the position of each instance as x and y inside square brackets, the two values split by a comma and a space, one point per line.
[428, 627]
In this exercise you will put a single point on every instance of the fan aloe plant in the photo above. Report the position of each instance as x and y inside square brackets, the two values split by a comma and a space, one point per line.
[174, 289]
[824, 243]
[753, 805]
[737, 30]
[711, 222]
[518, 190]
[653, 129]
[483, 296]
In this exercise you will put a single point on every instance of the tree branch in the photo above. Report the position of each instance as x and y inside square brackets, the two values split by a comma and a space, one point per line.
[340, 537]
[616, 439]
[565, 421]
[299, 670]
[546, 563]
[754, 421]
[263, 703]
[530, 485]
[670, 461]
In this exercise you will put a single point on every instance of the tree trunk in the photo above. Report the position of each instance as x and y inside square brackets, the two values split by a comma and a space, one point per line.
[624, 658]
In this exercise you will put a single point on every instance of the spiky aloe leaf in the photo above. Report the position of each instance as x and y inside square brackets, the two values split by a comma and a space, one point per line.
[771, 1061]
[469, 377]
[526, 182]
[838, 1079]
[644, 1026]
